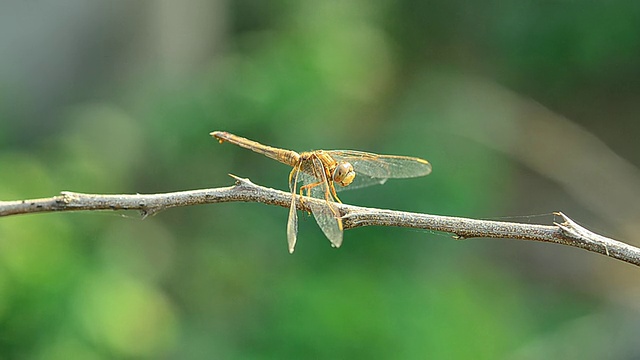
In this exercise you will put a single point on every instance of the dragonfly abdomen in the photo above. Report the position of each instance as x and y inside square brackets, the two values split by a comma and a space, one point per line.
[288, 157]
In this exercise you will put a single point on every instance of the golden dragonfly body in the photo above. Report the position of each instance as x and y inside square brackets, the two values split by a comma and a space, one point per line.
[320, 170]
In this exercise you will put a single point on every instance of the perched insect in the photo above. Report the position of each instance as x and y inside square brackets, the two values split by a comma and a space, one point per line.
[318, 170]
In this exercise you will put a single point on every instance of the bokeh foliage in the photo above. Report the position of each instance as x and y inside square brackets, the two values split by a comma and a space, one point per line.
[217, 281]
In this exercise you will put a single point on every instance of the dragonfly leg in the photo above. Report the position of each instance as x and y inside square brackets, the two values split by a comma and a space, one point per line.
[327, 197]
[308, 188]
[332, 188]
[293, 171]
[333, 209]
[333, 192]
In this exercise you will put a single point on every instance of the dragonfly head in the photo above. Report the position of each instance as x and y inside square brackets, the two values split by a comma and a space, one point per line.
[343, 174]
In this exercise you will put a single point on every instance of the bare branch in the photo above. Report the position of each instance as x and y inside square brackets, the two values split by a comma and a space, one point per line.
[567, 233]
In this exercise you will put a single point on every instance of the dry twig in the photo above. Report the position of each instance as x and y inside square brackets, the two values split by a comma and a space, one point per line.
[567, 233]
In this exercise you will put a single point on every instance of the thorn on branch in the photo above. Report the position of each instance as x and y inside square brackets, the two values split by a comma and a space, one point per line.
[242, 181]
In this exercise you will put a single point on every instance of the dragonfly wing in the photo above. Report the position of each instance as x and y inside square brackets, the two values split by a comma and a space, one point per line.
[326, 213]
[330, 224]
[361, 180]
[292, 225]
[382, 166]
[292, 222]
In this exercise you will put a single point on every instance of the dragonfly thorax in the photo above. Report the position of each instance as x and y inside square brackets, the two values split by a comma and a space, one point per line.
[343, 174]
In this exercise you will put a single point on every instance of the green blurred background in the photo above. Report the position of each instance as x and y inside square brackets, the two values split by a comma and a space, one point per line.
[523, 108]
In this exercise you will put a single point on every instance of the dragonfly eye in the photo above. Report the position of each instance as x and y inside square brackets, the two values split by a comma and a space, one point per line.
[344, 174]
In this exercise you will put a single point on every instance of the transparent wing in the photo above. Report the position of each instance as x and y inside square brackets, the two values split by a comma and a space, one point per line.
[326, 214]
[361, 180]
[382, 166]
[292, 222]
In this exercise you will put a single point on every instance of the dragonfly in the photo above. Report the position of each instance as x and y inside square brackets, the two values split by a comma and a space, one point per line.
[324, 172]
